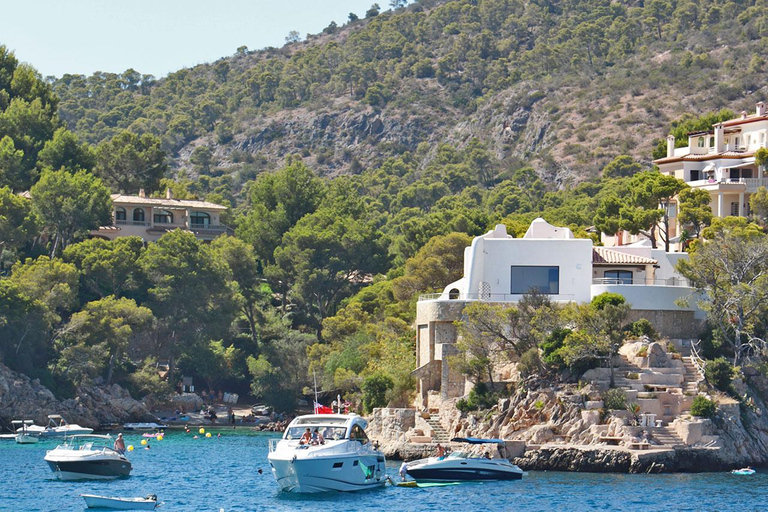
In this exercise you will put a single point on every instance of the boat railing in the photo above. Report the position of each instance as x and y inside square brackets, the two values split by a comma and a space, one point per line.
[340, 447]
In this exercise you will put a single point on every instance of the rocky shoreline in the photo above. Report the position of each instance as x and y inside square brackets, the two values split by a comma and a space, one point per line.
[25, 398]
[566, 427]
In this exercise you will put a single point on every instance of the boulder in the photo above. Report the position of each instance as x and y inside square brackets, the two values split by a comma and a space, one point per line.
[657, 356]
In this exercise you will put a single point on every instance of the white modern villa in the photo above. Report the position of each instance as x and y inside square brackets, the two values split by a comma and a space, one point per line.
[722, 161]
[501, 269]
[150, 218]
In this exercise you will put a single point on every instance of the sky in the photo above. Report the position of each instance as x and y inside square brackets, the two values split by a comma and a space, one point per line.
[156, 36]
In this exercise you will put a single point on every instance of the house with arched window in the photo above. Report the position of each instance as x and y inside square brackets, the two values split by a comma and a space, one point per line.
[151, 217]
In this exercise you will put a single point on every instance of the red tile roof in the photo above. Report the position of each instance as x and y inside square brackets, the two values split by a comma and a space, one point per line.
[603, 256]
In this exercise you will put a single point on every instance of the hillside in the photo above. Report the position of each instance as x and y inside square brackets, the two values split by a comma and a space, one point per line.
[563, 86]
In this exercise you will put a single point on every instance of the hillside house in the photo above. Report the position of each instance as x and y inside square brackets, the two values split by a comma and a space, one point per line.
[722, 161]
[150, 218]
[500, 269]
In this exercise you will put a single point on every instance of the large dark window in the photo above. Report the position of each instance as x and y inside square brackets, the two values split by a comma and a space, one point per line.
[163, 217]
[619, 276]
[119, 213]
[138, 214]
[526, 279]
[200, 219]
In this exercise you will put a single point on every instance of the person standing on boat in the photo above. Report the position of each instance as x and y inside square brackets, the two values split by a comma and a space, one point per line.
[440, 451]
[120, 444]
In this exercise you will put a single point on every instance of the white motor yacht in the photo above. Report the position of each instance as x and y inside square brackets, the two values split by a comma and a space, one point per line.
[23, 435]
[57, 426]
[341, 458]
[460, 466]
[87, 456]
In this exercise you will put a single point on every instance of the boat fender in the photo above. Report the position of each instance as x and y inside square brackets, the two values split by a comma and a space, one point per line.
[293, 459]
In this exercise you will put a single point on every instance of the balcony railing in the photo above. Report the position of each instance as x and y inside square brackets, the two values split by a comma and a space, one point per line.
[217, 228]
[131, 223]
[672, 281]
[490, 297]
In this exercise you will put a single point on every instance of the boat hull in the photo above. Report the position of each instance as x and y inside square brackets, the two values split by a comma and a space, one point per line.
[27, 438]
[93, 501]
[460, 470]
[103, 469]
[333, 473]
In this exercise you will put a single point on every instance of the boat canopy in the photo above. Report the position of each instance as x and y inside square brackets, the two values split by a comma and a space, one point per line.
[475, 440]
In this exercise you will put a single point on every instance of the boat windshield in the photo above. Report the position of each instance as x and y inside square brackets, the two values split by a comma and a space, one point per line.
[458, 455]
[329, 432]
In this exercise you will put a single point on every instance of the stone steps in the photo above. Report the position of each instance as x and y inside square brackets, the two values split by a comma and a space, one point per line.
[439, 434]
[666, 436]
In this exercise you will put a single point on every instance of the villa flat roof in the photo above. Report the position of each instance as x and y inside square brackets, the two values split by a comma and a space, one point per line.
[603, 256]
[120, 199]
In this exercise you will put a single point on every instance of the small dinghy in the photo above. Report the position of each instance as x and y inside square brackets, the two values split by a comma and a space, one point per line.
[94, 501]
[743, 471]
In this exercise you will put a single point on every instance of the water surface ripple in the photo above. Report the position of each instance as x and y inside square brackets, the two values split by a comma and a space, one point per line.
[222, 473]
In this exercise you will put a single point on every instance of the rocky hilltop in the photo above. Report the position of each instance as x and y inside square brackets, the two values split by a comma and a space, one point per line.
[566, 427]
[25, 398]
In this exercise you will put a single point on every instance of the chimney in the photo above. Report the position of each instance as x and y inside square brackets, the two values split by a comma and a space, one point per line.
[168, 193]
[743, 114]
[670, 146]
[141, 193]
[760, 108]
[719, 138]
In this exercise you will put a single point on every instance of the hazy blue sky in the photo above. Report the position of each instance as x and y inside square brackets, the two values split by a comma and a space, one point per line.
[156, 36]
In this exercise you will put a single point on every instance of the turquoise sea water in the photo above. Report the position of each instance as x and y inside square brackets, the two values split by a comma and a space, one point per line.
[221, 473]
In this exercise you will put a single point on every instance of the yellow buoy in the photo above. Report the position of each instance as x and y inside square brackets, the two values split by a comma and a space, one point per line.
[202, 430]
[159, 438]
[130, 447]
[208, 434]
[143, 441]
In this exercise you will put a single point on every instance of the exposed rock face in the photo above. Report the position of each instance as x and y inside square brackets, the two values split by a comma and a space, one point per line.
[22, 398]
[611, 460]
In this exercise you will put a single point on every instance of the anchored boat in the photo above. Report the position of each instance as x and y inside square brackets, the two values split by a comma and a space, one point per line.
[94, 501]
[460, 466]
[23, 434]
[326, 452]
[87, 456]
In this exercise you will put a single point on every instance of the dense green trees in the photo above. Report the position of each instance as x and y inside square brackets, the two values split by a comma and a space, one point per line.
[129, 162]
[70, 205]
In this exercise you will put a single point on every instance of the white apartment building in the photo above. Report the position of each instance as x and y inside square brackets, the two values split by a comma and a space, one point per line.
[722, 161]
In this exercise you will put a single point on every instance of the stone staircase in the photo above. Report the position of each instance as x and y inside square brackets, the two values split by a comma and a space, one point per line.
[439, 434]
[692, 377]
[625, 368]
[666, 436]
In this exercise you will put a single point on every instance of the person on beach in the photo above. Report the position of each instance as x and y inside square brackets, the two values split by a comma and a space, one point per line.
[120, 444]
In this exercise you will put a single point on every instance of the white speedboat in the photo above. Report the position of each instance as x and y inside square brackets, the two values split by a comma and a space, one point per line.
[343, 459]
[57, 427]
[460, 466]
[94, 501]
[23, 435]
[143, 426]
[87, 456]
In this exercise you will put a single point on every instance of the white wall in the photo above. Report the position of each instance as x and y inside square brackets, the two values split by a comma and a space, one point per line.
[492, 259]
[652, 297]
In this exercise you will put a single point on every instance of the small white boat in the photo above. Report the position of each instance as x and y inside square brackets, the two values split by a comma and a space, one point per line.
[57, 427]
[94, 501]
[23, 435]
[461, 467]
[343, 459]
[143, 426]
